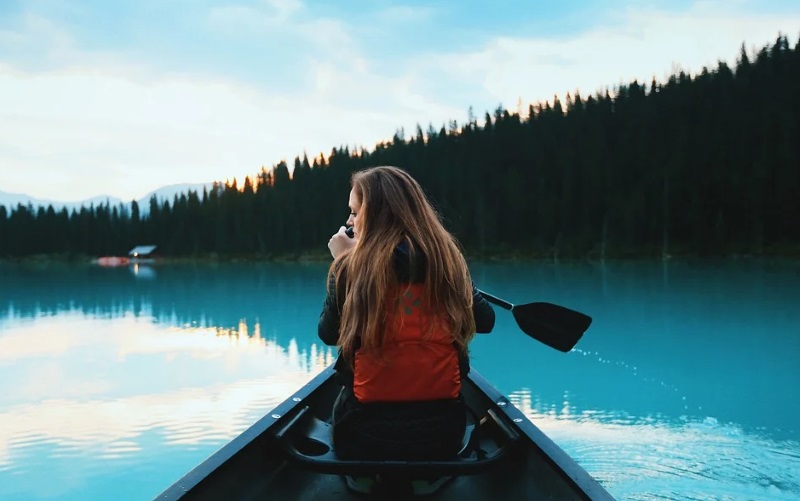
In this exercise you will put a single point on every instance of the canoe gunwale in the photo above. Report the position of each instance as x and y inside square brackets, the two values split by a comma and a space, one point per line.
[555, 455]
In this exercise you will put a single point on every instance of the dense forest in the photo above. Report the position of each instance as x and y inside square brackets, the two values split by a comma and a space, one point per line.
[705, 164]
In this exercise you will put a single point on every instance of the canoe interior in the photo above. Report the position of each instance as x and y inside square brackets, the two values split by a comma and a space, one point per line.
[255, 465]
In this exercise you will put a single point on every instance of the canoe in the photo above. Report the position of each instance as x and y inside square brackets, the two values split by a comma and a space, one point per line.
[288, 454]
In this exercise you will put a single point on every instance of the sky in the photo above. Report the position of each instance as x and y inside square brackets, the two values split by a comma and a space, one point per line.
[118, 98]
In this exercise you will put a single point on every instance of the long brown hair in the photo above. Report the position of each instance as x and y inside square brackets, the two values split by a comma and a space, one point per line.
[394, 209]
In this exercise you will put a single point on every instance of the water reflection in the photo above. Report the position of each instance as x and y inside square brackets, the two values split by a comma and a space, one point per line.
[649, 457]
[132, 377]
[143, 271]
[178, 295]
[121, 380]
[122, 395]
[704, 339]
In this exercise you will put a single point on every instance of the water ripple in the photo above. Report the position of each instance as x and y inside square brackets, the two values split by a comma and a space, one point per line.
[658, 461]
[102, 436]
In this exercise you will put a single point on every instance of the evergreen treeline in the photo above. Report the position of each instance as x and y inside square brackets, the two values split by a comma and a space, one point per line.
[703, 165]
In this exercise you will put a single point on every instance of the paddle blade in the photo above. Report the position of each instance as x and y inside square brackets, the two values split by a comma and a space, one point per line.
[553, 325]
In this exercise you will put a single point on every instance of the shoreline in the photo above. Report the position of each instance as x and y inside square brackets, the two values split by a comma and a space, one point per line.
[787, 254]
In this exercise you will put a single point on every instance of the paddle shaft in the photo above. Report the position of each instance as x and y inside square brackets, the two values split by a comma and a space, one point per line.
[496, 300]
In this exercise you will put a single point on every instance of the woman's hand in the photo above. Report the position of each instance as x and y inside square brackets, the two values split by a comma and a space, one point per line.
[340, 242]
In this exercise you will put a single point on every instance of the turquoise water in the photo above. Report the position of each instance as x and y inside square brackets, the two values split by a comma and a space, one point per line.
[115, 382]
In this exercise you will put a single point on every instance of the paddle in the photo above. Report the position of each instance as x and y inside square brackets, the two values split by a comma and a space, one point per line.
[551, 324]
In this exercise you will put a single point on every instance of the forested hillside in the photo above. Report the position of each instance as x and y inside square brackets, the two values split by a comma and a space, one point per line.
[705, 164]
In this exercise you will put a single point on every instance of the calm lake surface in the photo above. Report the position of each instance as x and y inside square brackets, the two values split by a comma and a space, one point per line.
[115, 382]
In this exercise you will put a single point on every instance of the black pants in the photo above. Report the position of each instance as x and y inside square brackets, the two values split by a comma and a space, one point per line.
[431, 430]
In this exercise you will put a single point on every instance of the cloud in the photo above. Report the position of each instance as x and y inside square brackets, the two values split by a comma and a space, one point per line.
[83, 122]
[280, 29]
[36, 30]
[235, 18]
[285, 8]
[93, 129]
[393, 14]
[638, 43]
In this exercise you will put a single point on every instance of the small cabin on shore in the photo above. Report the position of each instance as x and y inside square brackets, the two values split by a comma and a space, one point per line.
[141, 251]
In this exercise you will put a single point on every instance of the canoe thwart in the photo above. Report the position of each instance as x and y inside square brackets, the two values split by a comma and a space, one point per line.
[308, 441]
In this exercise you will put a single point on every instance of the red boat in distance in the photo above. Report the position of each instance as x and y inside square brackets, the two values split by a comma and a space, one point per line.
[113, 261]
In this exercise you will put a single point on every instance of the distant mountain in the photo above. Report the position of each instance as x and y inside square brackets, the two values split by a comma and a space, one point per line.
[167, 193]
[11, 200]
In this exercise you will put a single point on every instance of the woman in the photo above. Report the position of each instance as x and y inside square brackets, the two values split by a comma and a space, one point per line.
[401, 308]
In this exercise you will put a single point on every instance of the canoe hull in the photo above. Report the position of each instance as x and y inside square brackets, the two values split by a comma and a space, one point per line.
[255, 465]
